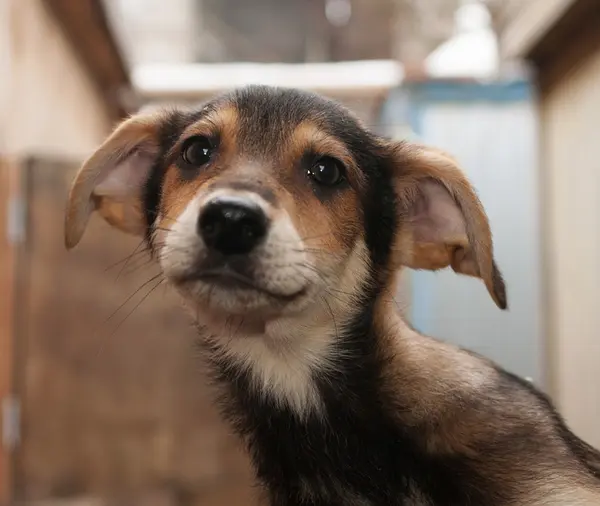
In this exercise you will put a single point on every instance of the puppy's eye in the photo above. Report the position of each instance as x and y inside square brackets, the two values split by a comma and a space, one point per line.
[327, 171]
[197, 151]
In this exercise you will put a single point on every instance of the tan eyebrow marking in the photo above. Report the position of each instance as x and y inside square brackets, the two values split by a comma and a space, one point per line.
[308, 135]
[222, 121]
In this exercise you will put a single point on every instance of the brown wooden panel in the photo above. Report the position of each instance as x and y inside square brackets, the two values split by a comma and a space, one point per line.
[8, 190]
[111, 415]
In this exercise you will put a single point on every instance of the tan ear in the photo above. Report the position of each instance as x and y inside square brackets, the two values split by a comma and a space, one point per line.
[111, 181]
[442, 221]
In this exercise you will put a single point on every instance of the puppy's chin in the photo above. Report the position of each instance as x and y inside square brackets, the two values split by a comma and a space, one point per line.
[230, 326]
[240, 311]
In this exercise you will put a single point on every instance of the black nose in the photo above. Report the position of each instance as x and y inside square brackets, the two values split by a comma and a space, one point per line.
[232, 226]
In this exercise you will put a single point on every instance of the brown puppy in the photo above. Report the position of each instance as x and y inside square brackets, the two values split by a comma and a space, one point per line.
[282, 222]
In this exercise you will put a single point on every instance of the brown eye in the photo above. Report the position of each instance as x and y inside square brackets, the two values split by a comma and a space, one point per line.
[197, 151]
[327, 171]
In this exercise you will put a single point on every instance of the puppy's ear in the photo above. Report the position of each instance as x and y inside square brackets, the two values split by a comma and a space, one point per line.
[441, 220]
[111, 181]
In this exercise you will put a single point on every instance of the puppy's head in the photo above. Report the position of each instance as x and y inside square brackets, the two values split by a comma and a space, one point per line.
[267, 202]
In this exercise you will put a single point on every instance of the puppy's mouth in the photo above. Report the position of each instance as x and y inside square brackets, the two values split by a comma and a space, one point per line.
[229, 279]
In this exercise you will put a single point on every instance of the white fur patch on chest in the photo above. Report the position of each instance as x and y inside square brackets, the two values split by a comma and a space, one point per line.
[283, 363]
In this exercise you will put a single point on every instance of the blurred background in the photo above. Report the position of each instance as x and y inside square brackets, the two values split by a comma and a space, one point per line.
[103, 397]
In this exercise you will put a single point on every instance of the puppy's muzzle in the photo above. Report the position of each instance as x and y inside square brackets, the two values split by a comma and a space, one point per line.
[232, 229]
[231, 249]
[232, 226]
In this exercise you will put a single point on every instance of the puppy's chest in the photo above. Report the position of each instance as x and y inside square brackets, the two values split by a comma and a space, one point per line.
[334, 494]
[352, 452]
[336, 460]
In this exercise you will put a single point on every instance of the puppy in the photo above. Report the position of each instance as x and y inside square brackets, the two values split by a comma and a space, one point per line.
[283, 223]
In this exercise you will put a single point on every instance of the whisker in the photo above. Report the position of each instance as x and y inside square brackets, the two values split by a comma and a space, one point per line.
[238, 328]
[103, 342]
[137, 306]
[146, 283]
[130, 256]
[140, 266]
[332, 316]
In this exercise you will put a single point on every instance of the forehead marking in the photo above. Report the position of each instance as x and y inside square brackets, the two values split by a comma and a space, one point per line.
[267, 193]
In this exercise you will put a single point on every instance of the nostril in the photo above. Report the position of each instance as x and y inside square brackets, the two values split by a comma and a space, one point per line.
[208, 226]
[232, 226]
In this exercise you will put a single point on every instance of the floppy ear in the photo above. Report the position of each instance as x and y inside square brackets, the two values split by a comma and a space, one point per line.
[111, 181]
[442, 222]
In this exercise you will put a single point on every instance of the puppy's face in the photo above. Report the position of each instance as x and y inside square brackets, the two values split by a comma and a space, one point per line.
[266, 203]
[261, 205]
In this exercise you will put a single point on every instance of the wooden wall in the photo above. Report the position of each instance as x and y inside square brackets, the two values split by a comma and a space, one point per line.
[8, 190]
[111, 414]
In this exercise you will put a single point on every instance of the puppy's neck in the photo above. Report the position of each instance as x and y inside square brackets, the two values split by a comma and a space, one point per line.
[281, 362]
[290, 357]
